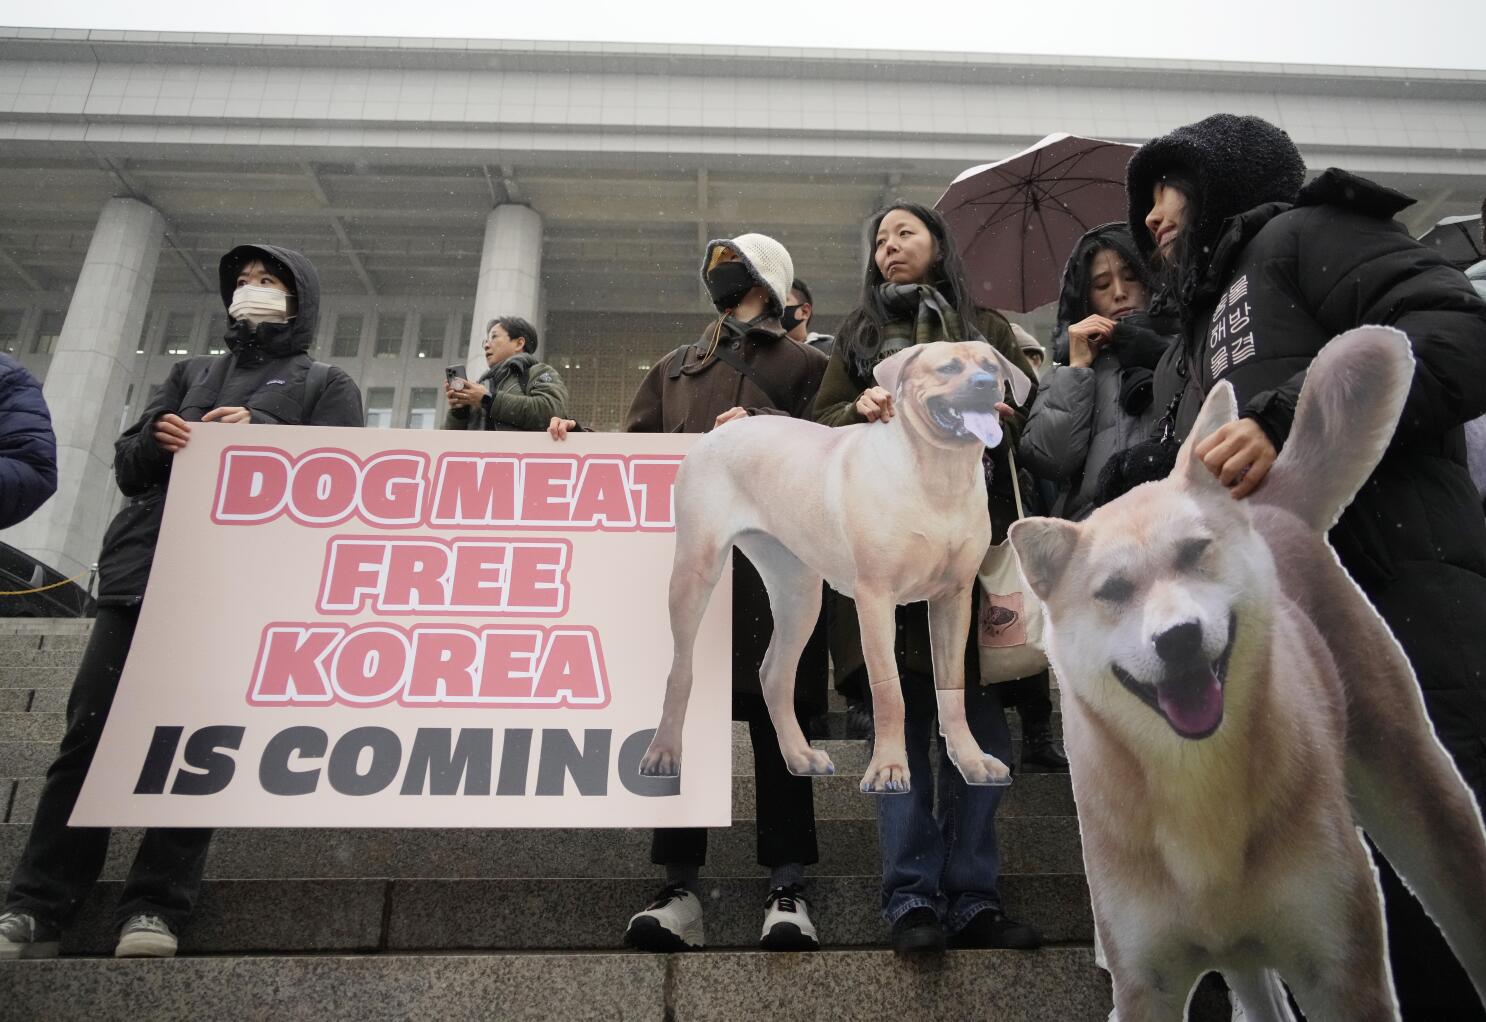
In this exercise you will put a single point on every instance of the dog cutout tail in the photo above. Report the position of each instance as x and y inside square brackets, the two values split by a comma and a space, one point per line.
[1354, 393]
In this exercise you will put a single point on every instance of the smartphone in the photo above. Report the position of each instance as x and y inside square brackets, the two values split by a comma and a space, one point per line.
[455, 372]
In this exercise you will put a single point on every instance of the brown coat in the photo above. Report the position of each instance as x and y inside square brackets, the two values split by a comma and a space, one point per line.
[689, 401]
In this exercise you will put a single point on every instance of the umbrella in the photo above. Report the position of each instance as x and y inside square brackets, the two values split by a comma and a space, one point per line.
[1458, 239]
[1015, 221]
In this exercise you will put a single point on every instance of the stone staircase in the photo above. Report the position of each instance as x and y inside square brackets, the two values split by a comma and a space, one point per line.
[374, 924]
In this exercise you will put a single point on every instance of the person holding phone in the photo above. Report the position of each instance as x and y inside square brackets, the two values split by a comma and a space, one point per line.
[516, 392]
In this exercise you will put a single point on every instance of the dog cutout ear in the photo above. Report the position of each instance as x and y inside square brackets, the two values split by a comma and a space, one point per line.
[1021, 385]
[890, 370]
[1044, 547]
[1220, 408]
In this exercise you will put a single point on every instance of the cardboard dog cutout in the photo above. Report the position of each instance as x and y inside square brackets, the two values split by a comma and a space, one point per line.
[886, 512]
[1234, 707]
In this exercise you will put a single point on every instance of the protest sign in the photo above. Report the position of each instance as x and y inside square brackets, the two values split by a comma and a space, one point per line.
[354, 628]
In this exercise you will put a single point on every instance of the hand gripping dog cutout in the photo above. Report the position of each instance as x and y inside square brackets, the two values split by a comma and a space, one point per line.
[886, 512]
[1231, 700]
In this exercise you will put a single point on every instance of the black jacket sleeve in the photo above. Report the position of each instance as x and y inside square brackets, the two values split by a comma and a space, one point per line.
[139, 463]
[28, 447]
[1354, 270]
[340, 403]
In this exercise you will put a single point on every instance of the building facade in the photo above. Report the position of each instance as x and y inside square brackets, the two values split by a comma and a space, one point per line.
[439, 183]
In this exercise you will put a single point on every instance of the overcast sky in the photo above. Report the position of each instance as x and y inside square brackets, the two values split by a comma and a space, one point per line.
[1416, 33]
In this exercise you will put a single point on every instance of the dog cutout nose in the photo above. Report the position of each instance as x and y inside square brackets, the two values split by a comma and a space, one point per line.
[982, 382]
[1181, 643]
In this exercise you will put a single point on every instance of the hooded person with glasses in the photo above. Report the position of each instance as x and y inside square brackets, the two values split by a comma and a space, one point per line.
[272, 297]
[744, 364]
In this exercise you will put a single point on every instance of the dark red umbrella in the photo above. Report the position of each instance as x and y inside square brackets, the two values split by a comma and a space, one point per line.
[1015, 221]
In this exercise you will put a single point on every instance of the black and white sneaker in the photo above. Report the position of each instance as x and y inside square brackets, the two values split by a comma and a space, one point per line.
[672, 922]
[145, 936]
[787, 925]
[23, 936]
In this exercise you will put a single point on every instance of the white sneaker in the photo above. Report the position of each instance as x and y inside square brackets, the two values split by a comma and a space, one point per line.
[787, 925]
[145, 937]
[21, 936]
[672, 922]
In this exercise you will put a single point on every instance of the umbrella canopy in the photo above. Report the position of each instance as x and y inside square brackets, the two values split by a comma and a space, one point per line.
[1458, 239]
[1015, 221]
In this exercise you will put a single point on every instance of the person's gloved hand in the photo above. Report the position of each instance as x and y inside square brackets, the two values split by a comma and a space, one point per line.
[1137, 343]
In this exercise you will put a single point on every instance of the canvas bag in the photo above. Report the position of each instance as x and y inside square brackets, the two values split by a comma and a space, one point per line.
[1009, 629]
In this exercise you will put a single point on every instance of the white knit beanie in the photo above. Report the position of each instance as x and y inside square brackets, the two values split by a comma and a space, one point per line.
[767, 261]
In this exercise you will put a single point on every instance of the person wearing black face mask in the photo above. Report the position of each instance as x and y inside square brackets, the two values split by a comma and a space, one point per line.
[272, 297]
[744, 364]
[797, 317]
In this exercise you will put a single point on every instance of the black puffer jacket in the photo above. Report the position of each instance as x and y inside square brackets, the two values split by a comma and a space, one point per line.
[1084, 415]
[1280, 282]
[265, 370]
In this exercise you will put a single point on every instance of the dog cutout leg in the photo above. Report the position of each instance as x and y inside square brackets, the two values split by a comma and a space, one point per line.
[949, 625]
[1407, 792]
[887, 771]
[699, 562]
[1152, 997]
[1261, 995]
[794, 604]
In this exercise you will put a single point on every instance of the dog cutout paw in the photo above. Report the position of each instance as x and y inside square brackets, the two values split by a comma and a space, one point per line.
[810, 763]
[661, 761]
[886, 777]
[983, 771]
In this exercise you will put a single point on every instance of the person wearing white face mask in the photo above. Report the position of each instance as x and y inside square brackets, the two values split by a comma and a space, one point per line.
[267, 377]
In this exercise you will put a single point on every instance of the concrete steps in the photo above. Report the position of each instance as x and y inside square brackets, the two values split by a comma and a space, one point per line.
[394, 923]
[326, 915]
[998, 986]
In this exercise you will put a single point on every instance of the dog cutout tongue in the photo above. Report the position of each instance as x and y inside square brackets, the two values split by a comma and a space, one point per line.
[985, 425]
[1194, 708]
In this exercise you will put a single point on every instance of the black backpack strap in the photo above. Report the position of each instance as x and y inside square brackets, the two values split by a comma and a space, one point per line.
[289, 407]
[210, 375]
[314, 386]
[735, 361]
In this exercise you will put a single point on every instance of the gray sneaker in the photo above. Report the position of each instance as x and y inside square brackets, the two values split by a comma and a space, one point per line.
[145, 937]
[22, 936]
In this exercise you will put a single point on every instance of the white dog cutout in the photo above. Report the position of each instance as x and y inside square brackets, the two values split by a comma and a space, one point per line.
[1230, 698]
[887, 512]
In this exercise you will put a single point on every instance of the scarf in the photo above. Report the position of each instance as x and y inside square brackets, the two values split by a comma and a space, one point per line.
[916, 314]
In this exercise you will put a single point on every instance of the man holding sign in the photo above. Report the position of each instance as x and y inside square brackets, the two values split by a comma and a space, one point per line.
[272, 296]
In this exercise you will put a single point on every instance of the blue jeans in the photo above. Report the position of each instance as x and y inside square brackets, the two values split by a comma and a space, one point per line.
[950, 865]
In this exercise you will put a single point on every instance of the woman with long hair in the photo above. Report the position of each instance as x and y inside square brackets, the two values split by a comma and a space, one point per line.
[937, 875]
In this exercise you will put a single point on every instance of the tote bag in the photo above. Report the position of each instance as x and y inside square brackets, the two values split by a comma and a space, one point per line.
[1010, 625]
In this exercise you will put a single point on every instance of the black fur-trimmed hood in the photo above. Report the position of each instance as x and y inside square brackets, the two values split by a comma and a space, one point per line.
[1233, 162]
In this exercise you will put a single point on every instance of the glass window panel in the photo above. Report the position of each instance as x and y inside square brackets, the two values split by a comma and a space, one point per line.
[176, 338]
[431, 331]
[47, 334]
[347, 342]
[10, 330]
[379, 407]
[423, 408]
[216, 334]
[389, 336]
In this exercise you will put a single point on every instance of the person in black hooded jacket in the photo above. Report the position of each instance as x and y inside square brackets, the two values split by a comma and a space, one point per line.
[1266, 273]
[267, 376]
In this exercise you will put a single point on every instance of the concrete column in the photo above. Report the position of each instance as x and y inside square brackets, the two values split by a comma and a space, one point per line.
[510, 275]
[86, 383]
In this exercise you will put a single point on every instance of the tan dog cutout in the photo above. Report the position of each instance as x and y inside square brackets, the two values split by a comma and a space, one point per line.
[1230, 700]
[886, 512]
